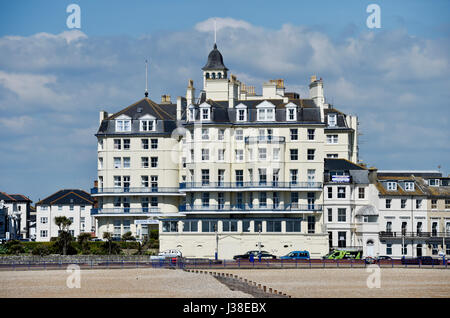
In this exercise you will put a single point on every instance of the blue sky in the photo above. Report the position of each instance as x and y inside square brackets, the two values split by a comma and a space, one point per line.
[54, 81]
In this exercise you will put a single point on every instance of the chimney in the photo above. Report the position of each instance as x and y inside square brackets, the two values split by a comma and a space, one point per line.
[103, 115]
[181, 104]
[233, 91]
[316, 94]
[190, 93]
[165, 99]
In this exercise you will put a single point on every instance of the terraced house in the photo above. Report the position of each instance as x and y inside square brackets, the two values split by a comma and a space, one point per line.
[222, 171]
[410, 222]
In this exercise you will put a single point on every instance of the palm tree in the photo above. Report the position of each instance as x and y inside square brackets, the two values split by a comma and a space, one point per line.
[64, 236]
[128, 236]
[83, 238]
[108, 237]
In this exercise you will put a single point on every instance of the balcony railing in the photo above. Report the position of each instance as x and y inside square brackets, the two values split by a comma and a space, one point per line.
[388, 234]
[149, 210]
[251, 184]
[265, 139]
[134, 190]
[251, 207]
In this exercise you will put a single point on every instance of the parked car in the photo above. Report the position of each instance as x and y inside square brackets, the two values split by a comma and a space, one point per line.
[384, 258]
[370, 260]
[343, 254]
[296, 255]
[375, 260]
[428, 260]
[423, 260]
[167, 254]
[256, 255]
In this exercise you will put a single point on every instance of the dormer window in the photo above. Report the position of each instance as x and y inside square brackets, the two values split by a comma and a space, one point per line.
[409, 186]
[241, 112]
[147, 123]
[205, 112]
[332, 120]
[392, 186]
[266, 111]
[433, 182]
[123, 123]
[291, 112]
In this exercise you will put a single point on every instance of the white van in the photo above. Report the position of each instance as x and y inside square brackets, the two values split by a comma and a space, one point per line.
[167, 254]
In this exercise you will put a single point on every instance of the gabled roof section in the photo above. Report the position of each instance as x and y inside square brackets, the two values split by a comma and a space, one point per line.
[147, 106]
[400, 191]
[13, 197]
[68, 196]
[341, 164]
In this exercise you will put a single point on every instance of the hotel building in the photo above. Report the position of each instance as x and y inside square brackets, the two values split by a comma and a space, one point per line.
[224, 171]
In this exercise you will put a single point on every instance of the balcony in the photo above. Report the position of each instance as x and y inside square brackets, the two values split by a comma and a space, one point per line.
[136, 191]
[261, 185]
[250, 208]
[265, 140]
[126, 211]
[419, 234]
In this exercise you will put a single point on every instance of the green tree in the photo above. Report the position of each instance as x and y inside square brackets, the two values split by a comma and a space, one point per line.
[64, 236]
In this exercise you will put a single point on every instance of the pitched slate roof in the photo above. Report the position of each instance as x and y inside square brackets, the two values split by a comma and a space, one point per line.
[340, 118]
[307, 111]
[434, 191]
[147, 106]
[341, 164]
[13, 197]
[400, 191]
[165, 115]
[68, 196]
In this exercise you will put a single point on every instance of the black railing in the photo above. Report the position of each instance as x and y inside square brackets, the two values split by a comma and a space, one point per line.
[400, 234]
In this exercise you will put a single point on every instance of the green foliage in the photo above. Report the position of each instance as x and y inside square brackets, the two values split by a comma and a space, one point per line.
[128, 237]
[83, 242]
[14, 247]
[41, 250]
[154, 234]
[3, 249]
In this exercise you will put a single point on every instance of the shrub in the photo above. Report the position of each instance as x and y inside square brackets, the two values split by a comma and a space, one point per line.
[41, 250]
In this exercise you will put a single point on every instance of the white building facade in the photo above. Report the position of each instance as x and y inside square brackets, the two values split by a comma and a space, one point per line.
[74, 204]
[16, 215]
[223, 172]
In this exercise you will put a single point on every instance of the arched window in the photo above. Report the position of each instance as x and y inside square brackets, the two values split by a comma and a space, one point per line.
[207, 75]
[213, 75]
[219, 75]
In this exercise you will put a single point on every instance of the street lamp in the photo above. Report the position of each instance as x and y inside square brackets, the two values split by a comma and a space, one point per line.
[216, 255]
[259, 239]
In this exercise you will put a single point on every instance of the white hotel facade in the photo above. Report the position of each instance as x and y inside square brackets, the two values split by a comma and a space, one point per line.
[224, 171]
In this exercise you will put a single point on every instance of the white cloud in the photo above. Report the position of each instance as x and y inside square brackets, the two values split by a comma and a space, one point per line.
[221, 23]
[52, 86]
[32, 88]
